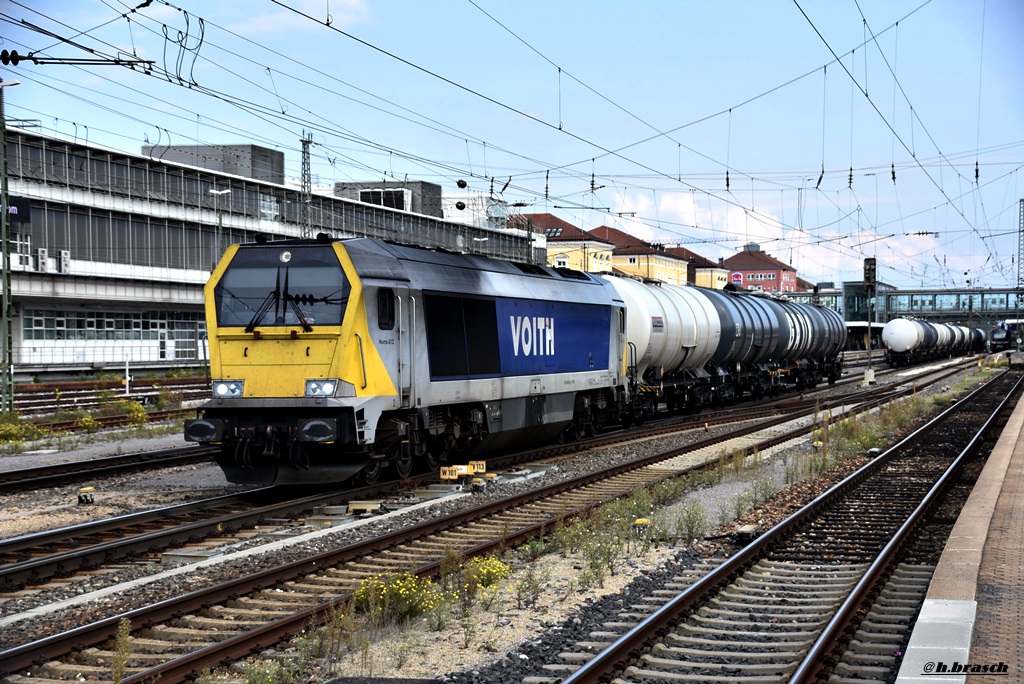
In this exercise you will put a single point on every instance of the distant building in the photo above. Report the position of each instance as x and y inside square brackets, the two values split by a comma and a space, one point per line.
[807, 286]
[419, 197]
[569, 246]
[109, 251]
[247, 161]
[632, 256]
[701, 271]
[757, 271]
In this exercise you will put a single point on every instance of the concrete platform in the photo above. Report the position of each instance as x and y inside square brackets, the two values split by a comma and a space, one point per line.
[971, 624]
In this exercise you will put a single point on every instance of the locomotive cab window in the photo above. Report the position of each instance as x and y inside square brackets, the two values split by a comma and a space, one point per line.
[282, 285]
[462, 337]
[386, 309]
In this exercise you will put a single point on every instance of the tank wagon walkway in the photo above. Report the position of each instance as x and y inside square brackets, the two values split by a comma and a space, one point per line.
[973, 616]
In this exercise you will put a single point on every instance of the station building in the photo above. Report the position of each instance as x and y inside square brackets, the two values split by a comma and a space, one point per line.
[109, 251]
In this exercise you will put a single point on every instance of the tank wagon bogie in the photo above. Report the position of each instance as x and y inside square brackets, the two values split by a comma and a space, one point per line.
[909, 340]
[333, 358]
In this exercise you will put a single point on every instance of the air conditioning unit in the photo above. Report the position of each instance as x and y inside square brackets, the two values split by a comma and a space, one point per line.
[64, 264]
[42, 260]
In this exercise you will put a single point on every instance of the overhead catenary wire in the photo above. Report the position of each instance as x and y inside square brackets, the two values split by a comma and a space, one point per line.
[516, 185]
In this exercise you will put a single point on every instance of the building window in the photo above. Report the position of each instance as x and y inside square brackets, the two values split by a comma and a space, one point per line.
[393, 199]
[268, 207]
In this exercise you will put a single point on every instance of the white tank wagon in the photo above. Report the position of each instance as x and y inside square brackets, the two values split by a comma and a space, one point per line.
[669, 329]
[690, 346]
[909, 340]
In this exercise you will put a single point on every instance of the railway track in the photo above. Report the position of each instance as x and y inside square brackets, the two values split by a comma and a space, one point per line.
[304, 595]
[124, 420]
[76, 471]
[63, 473]
[50, 398]
[783, 608]
[34, 559]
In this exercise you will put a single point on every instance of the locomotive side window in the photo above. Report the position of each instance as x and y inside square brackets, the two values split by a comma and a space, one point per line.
[282, 285]
[446, 336]
[482, 336]
[386, 309]
[462, 336]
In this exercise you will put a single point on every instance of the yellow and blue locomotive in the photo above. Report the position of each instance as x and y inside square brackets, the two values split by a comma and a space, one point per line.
[332, 358]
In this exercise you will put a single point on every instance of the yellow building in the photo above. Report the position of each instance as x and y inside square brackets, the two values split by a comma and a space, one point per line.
[570, 247]
[702, 271]
[632, 256]
[607, 250]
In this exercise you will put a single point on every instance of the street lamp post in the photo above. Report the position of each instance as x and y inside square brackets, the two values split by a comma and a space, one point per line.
[7, 381]
[220, 226]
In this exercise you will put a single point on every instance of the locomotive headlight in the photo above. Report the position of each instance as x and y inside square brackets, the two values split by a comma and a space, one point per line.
[226, 389]
[321, 388]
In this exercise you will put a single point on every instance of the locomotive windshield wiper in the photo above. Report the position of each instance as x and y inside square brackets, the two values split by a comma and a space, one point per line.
[262, 311]
[273, 297]
[291, 300]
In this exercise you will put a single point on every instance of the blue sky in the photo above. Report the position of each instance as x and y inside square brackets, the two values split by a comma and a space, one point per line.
[706, 124]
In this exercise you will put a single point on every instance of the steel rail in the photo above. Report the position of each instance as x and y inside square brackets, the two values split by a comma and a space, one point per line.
[818, 658]
[25, 656]
[61, 473]
[233, 648]
[89, 635]
[42, 568]
[601, 668]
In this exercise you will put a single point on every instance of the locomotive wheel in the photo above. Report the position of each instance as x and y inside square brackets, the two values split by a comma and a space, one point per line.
[581, 432]
[432, 460]
[371, 473]
[402, 463]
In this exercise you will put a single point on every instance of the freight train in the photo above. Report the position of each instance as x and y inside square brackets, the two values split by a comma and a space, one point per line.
[909, 340]
[335, 358]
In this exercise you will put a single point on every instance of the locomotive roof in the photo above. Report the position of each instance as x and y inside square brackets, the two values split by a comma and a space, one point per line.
[472, 273]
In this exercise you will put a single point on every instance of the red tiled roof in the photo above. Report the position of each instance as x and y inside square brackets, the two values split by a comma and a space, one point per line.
[750, 260]
[624, 242]
[555, 228]
[695, 259]
[804, 285]
[629, 244]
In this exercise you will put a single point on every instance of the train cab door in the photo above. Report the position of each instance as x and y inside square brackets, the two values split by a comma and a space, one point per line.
[405, 328]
